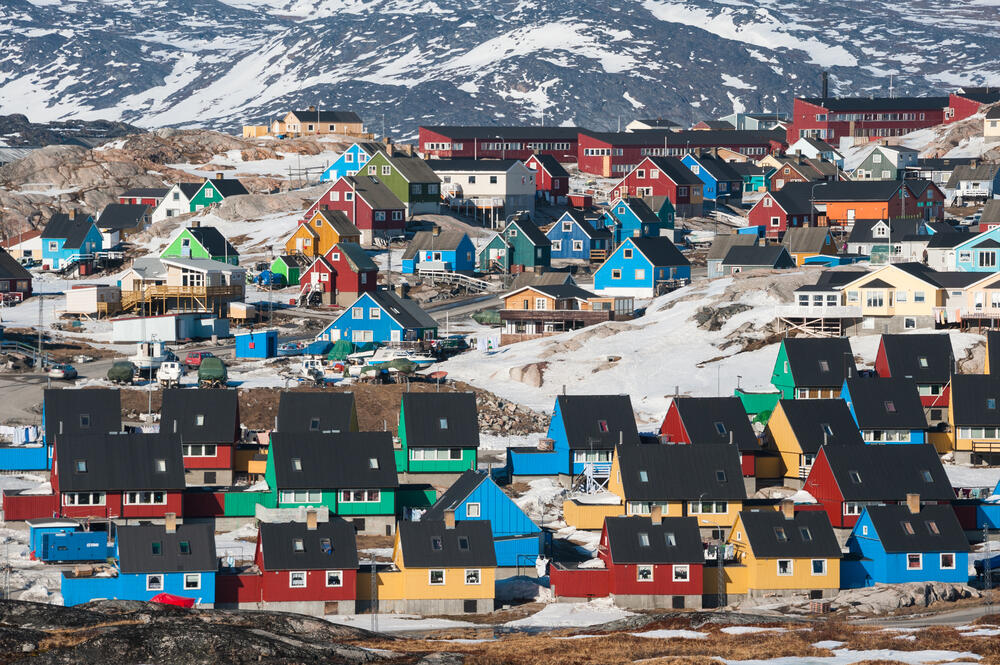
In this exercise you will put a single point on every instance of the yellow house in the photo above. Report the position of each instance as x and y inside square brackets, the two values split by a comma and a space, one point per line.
[313, 121]
[783, 553]
[901, 295]
[321, 232]
[803, 242]
[798, 428]
[254, 131]
[974, 414]
[438, 567]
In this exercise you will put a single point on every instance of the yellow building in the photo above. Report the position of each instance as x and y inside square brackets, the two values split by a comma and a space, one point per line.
[254, 131]
[438, 567]
[974, 414]
[798, 428]
[318, 235]
[314, 121]
[783, 553]
[803, 242]
[902, 296]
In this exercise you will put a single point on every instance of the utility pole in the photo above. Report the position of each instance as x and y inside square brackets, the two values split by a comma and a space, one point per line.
[38, 365]
[720, 572]
[987, 572]
[374, 595]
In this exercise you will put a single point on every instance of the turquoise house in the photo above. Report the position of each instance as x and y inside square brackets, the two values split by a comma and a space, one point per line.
[643, 268]
[979, 253]
[350, 161]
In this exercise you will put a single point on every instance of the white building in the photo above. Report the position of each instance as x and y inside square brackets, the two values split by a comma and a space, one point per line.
[177, 201]
[490, 184]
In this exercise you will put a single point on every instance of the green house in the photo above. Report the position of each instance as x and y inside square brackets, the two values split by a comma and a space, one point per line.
[215, 190]
[812, 368]
[201, 242]
[886, 163]
[353, 474]
[522, 244]
[410, 179]
[291, 266]
[438, 433]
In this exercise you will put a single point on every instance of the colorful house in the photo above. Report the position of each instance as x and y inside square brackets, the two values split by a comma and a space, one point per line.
[663, 176]
[517, 540]
[408, 177]
[756, 178]
[974, 416]
[176, 202]
[205, 424]
[847, 202]
[150, 196]
[798, 428]
[722, 420]
[447, 250]
[69, 239]
[350, 161]
[317, 412]
[906, 543]
[15, 281]
[520, 246]
[381, 316]
[291, 267]
[721, 181]
[721, 245]
[649, 563]
[979, 253]
[549, 309]
[551, 179]
[201, 242]
[643, 268]
[340, 277]
[438, 567]
[317, 235]
[574, 237]
[812, 368]
[886, 410]
[783, 210]
[438, 435]
[885, 162]
[215, 190]
[119, 221]
[927, 359]
[807, 242]
[368, 203]
[151, 560]
[68, 413]
[630, 217]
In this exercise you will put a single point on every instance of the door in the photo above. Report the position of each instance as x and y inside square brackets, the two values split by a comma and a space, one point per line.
[394, 336]
[186, 248]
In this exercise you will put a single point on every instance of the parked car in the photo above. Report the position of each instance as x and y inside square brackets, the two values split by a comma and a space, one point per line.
[212, 373]
[122, 372]
[194, 358]
[62, 372]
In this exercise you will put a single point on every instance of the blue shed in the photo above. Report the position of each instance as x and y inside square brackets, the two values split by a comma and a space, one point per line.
[886, 409]
[33, 457]
[988, 511]
[643, 268]
[574, 237]
[474, 496]
[58, 539]
[349, 162]
[257, 344]
[451, 251]
[381, 317]
[899, 543]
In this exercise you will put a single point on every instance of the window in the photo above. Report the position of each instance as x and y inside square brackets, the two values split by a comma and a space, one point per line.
[373, 170]
[463, 543]
[198, 450]
[192, 580]
[314, 425]
[83, 498]
[435, 577]
[472, 509]
[914, 561]
[947, 561]
[670, 539]
[643, 539]
[780, 535]
[297, 579]
[157, 547]
[819, 567]
[296, 464]
[436, 544]
[890, 406]
[301, 496]
[932, 527]
[334, 578]
[145, 498]
[616, 274]
[557, 245]
[380, 215]
[160, 465]
[627, 253]
[767, 202]
[577, 245]
[707, 507]
[681, 573]
[184, 546]
[473, 576]
[926, 475]
[853, 508]
[785, 567]
[357, 312]
[908, 528]
[386, 169]
[472, 179]
[372, 462]
[81, 466]
[854, 476]
[374, 313]
[991, 403]
[154, 582]
[775, 222]
[720, 476]
[644, 573]
[493, 180]
[640, 273]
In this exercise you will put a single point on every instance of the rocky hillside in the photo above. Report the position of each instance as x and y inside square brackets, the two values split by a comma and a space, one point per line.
[17, 130]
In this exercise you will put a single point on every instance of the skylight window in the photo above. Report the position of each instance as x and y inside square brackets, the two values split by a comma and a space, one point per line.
[463, 543]
[805, 533]
[296, 464]
[298, 545]
[908, 528]
[602, 425]
[436, 543]
[160, 465]
[643, 476]
[314, 425]
[933, 528]
[644, 539]
[720, 428]
[827, 429]
[780, 535]
[325, 546]
[443, 423]
[890, 406]
[824, 366]
[199, 420]
[991, 403]
[670, 539]
[372, 462]
[926, 475]
[185, 547]
[80, 465]
[720, 475]
[922, 360]
[855, 477]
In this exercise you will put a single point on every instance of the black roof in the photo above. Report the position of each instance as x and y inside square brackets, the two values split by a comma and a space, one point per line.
[598, 421]
[715, 420]
[993, 350]
[552, 166]
[405, 310]
[327, 116]
[136, 547]
[106, 462]
[982, 94]
[228, 187]
[440, 420]
[775, 256]
[771, 535]
[446, 239]
[660, 251]
[531, 230]
[795, 198]
[934, 529]
[819, 362]
[940, 163]
[681, 472]
[430, 544]
[898, 228]
[74, 231]
[976, 397]
[331, 545]
[928, 358]
[673, 540]
[991, 210]
[335, 412]
[676, 170]
[581, 220]
[217, 410]
[318, 461]
[564, 291]
[857, 190]
[10, 268]
[189, 189]
[144, 193]
[122, 215]
[718, 168]
[506, 132]
[463, 486]
[214, 242]
[816, 422]
[949, 279]
[886, 403]
[694, 138]
[64, 411]
[640, 209]
[949, 240]
[888, 472]
[879, 103]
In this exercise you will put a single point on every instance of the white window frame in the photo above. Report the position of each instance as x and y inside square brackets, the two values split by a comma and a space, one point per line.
[340, 575]
[920, 561]
[72, 498]
[954, 559]
[194, 576]
[812, 568]
[791, 568]
[291, 579]
[135, 498]
[644, 566]
[478, 572]
[159, 576]
[681, 567]
[473, 509]
[430, 577]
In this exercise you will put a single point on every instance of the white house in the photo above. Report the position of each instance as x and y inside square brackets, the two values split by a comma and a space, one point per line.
[176, 202]
[816, 149]
[490, 183]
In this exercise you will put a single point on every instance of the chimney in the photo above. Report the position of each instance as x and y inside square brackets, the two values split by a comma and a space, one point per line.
[826, 85]
[170, 522]
[312, 108]
[913, 503]
[219, 176]
[788, 509]
[195, 223]
[656, 515]
[72, 213]
[389, 149]
[714, 151]
[311, 520]
[449, 519]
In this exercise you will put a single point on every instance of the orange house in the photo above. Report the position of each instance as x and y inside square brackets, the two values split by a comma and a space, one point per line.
[848, 201]
[317, 236]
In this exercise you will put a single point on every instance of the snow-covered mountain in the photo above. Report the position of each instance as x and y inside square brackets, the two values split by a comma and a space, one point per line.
[222, 63]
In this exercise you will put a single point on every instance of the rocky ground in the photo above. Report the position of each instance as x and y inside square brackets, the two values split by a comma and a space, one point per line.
[18, 131]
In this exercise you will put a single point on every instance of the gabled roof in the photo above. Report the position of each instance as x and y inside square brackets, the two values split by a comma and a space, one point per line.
[326, 116]
[562, 291]
[551, 166]
[217, 411]
[430, 544]
[212, 240]
[771, 535]
[227, 187]
[356, 256]
[806, 239]
[440, 420]
[578, 217]
[119, 462]
[74, 231]
[10, 268]
[200, 265]
[675, 169]
[303, 460]
[188, 189]
[821, 146]
[413, 168]
[718, 168]
[295, 260]
[459, 491]
[335, 412]
[679, 472]
[819, 422]
[405, 311]
[122, 215]
[888, 472]
[981, 171]
[976, 397]
[340, 222]
[991, 211]
[928, 358]
[717, 420]
[941, 279]
[531, 278]
[750, 168]
[946, 240]
[716, 124]
[886, 403]
[673, 540]
[819, 362]
[794, 199]
[23, 236]
[722, 244]
[660, 251]
[638, 207]
[934, 529]
[88, 411]
[775, 256]
[135, 549]
[878, 103]
[598, 421]
[446, 240]
[330, 546]
[374, 192]
[144, 193]
[993, 113]
[898, 228]
[531, 231]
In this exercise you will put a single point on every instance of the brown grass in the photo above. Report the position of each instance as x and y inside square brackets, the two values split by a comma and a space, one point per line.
[70, 637]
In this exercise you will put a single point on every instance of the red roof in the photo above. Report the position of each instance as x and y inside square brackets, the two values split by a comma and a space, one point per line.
[21, 237]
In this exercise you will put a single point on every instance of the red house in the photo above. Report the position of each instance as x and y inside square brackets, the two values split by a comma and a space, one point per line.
[862, 117]
[150, 196]
[495, 142]
[205, 426]
[699, 420]
[368, 203]
[15, 281]
[551, 179]
[929, 360]
[648, 562]
[117, 476]
[845, 479]
[341, 276]
[663, 176]
[968, 101]
[308, 568]
[779, 211]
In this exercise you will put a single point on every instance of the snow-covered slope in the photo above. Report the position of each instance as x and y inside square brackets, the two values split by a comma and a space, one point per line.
[225, 62]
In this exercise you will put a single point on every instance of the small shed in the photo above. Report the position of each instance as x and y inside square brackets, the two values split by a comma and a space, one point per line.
[257, 344]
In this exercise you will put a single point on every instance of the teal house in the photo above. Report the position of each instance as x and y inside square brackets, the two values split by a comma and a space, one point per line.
[216, 190]
[520, 247]
[69, 238]
[438, 433]
[979, 253]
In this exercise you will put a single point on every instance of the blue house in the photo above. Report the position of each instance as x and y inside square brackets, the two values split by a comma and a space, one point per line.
[630, 218]
[58, 539]
[474, 496]
[979, 253]
[722, 182]
[584, 430]
[643, 268]
[439, 249]
[67, 239]
[886, 410]
[988, 511]
[574, 237]
[350, 161]
[152, 559]
[381, 316]
[257, 344]
[906, 543]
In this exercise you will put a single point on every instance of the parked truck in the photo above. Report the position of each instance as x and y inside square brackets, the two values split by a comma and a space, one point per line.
[212, 373]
